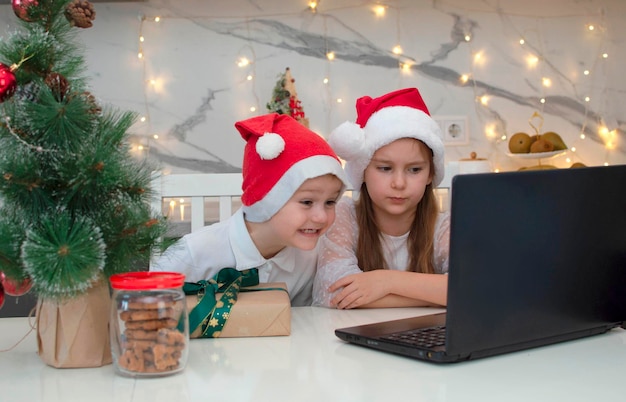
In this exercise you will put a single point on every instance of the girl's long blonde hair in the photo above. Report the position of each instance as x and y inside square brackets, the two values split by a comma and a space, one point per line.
[420, 241]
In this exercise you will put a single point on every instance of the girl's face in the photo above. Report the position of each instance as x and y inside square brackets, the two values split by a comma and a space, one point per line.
[396, 178]
[307, 215]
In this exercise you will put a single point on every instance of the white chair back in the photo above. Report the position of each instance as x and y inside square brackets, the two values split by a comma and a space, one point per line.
[194, 200]
[197, 198]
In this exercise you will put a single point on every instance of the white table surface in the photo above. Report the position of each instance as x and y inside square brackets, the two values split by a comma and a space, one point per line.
[313, 365]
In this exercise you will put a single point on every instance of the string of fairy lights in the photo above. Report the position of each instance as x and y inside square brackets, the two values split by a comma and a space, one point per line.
[529, 43]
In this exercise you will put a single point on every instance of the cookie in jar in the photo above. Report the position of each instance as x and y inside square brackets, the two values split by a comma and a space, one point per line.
[149, 324]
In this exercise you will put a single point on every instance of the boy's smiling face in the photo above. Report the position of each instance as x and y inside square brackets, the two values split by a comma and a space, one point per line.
[303, 219]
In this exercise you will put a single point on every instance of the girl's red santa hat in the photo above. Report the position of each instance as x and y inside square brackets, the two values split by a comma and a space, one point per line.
[279, 156]
[380, 121]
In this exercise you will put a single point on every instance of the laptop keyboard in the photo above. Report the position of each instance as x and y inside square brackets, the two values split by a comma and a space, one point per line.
[421, 337]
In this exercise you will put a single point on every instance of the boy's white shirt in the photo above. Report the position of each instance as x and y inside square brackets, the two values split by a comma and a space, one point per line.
[201, 254]
[337, 250]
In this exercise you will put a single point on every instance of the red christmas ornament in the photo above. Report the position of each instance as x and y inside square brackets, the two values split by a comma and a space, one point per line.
[7, 82]
[22, 7]
[15, 288]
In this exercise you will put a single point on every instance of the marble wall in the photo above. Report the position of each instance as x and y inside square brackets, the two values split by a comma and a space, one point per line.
[465, 56]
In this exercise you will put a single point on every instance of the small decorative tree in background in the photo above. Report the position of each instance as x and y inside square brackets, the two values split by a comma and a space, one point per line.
[74, 203]
[285, 98]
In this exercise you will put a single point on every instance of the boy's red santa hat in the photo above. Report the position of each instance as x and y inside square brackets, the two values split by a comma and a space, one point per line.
[380, 121]
[280, 154]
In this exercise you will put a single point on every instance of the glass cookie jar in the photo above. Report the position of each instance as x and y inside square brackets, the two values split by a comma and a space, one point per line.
[149, 324]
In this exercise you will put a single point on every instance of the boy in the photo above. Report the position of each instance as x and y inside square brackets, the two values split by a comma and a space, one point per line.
[292, 180]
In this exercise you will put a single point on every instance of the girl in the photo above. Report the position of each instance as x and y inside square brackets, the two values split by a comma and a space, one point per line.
[291, 182]
[389, 248]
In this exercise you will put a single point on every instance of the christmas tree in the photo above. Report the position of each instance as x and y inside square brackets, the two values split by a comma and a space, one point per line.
[285, 98]
[74, 204]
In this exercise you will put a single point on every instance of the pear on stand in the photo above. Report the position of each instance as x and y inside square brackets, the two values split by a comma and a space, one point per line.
[537, 146]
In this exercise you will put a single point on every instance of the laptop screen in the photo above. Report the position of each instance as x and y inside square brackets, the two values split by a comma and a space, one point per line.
[535, 255]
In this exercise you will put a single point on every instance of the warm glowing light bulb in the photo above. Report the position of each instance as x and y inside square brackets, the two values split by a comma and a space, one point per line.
[573, 149]
[605, 55]
[587, 99]
[468, 38]
[182, 200]
[152, 82]
[157, 19]
[586, 72]
[140, 55]
[143, 118]
[522, 41]
[325, 81]
[532, 60]
[484, 100]
[156, 136]
[339, 100]
[313, 5]
[249, 77]
[490, 131]
[547, 82]
[379, 10]
[582, 136]
[141, 39]
[172, 203]
[542, 100]
[253, 109]
[397, 49]
[464, 78]
[243, 62]
[140, 147]
[330, 55]
[603, 131]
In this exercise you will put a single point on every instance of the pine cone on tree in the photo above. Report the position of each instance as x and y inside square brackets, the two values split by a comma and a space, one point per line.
[58, 84]
[80, 13]
[91, 100]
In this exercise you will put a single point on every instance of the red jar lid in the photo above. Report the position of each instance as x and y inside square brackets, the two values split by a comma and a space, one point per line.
[145, 280]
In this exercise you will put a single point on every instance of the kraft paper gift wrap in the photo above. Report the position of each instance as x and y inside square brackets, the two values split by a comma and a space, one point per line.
[260, 310]
[75, 334]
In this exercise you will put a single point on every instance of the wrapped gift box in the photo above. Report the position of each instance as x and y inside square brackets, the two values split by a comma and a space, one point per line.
[256, 313]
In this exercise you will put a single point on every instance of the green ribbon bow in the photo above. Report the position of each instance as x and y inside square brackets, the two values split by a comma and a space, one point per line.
[212, 314]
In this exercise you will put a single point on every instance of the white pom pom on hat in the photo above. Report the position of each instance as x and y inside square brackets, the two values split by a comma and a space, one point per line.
[382, 120]
[280, 154]
[270, 145]
[349, 144]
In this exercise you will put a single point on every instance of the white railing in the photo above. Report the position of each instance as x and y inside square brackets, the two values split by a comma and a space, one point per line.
[194, 200]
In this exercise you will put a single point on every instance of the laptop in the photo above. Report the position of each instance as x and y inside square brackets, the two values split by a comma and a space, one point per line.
[536, 258]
